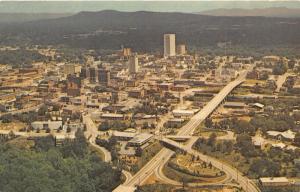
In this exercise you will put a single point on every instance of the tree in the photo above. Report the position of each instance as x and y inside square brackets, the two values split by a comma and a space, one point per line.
[68, 129]
[245, 145]
[145, 125]
[42, 110]
[104, 126]
[208, 123]
[212, 139]
[48, 130]
[48, 171]
[279, 69]
[7, 118]
[264, 168]
[138, 151]
[291, 64]
[297, 139]
[44, 143]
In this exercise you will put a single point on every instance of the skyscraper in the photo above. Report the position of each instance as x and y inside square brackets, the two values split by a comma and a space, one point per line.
[133, 66]
[92, 74]
[169, 45]
[104, 76]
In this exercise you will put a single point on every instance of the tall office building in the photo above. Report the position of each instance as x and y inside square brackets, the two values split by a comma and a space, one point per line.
[181, 49]
[103, 76]
[133, 65]
[126, 52]
[71, 69]
[73, 85]
[92, 74]
[169, 45]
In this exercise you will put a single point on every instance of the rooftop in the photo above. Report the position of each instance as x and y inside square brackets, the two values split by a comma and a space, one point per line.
[140, 138]
[273, 179]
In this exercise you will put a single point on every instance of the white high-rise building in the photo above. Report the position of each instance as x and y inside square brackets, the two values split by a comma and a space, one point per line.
[133, 65]
[169, 45]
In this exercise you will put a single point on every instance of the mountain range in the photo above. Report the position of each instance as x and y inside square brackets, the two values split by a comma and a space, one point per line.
[144, 30]
[265, 12]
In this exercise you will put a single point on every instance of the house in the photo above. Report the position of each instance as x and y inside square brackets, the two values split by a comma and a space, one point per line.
[282, 136]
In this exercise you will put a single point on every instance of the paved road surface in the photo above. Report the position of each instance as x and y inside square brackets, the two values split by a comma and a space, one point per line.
[91, 133]
[188, 129]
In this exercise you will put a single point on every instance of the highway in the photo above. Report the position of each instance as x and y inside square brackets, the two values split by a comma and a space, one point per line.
[165, 154]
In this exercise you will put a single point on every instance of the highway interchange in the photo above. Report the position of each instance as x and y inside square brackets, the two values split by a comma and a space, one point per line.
[165, 154]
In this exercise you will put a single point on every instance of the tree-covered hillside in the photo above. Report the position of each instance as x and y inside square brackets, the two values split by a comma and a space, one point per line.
[144, 30]
[45, 168]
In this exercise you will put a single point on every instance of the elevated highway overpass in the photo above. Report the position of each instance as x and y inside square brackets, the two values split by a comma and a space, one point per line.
[165, 154]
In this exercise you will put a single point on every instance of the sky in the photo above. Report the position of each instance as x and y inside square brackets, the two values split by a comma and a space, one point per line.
[74, 6]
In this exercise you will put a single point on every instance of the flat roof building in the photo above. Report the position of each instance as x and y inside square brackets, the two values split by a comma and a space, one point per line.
[103, 77]
[274, 181]
[140, 139]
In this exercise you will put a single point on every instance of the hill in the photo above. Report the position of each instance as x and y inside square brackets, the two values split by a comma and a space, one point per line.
[25, 17]
[144, 30]
[265, 12]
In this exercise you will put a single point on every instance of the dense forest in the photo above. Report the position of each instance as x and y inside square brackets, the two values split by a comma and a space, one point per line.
[45, 168]
[144, 30]
[20, 57]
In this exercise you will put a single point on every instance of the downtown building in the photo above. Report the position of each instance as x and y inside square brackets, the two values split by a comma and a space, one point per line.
[169, 45]
[103, 76]
[133, 65]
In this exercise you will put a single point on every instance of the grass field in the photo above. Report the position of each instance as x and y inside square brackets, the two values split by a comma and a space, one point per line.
[192, 170]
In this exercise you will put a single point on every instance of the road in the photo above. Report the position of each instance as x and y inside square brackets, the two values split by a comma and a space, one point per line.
[188, 129]
[230, 171]
[127, 175]
[280, 81]
[91, 133]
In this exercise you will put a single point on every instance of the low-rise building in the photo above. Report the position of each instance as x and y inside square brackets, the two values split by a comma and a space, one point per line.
[235, 105]
[183, 113]
[274, 181]
[42, 125]
[282, 136]
[112, 116]
[123, 136]
[136, 93]
[140, 139]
